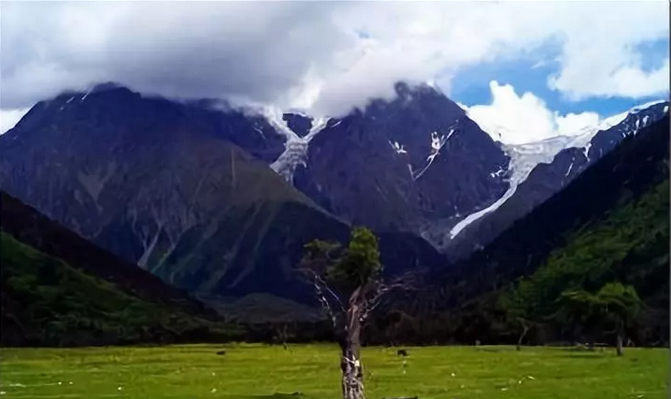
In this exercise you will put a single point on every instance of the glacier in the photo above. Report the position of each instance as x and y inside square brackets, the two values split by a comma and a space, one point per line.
[295, 147]
[525, 157]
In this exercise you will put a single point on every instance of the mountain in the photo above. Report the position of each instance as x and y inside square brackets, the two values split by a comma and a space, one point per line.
[396, 165]
[610, 223]
[539, 170]
[418, 164]
[637, 167]
[183, 189]
[59, 289]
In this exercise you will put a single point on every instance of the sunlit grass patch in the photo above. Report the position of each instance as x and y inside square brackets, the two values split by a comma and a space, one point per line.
[260, 371]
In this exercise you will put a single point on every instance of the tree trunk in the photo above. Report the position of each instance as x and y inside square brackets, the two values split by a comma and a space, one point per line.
[350, 364]
[620, 336]
[525, 329]
[352, 375]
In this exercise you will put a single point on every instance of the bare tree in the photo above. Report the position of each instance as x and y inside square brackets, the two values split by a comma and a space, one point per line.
[348, 283]
[282, 335]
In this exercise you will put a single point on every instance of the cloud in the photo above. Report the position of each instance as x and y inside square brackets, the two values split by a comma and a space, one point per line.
[325, 57]
[10, 118]
[515, 119]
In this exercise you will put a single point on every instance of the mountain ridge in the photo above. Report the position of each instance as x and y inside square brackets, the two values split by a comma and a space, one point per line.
[177, 188]
[566, 159]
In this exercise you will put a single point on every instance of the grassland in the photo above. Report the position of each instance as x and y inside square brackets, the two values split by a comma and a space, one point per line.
[257, 371]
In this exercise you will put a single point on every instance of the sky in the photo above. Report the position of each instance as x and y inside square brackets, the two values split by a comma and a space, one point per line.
[524, 71]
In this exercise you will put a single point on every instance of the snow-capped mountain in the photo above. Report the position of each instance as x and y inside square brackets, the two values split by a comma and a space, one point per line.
[183, 189]
[538, 170]
[395, 164]
[418, 163]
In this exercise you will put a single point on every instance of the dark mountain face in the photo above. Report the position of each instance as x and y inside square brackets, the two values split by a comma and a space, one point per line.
[31, 228]
[546, 179]
[399, 164]
[168, 186]
[637, 119]
[300, 124]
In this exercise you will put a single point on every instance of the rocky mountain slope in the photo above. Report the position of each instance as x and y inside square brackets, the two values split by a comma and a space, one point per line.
[637, 167]
[182, 189]
[539, 170]
[396, 165]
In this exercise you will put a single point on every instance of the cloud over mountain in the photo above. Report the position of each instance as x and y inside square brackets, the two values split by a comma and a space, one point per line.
[518, 119]
[326, 57]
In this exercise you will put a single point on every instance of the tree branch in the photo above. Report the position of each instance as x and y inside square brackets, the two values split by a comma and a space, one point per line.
[328, 289]
[404, 282]
[326, 296]
[326, 307]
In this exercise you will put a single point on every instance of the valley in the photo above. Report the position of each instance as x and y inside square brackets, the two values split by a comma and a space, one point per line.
[320, 200]
[256, 371]
[220, 202]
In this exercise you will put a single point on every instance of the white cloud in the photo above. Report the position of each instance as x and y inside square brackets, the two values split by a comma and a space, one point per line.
[515, 119]
[572, 124]
[9, 118]
[310, 54]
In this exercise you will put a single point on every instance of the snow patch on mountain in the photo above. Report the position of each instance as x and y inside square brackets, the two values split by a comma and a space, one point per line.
[525, 157]
[295, 147]
[497, 173]
[398, 147]
[437, 143]
[645, 106]
[586, 150]
[569, 169]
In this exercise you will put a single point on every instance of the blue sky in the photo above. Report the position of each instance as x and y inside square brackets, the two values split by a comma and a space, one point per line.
[470, 86]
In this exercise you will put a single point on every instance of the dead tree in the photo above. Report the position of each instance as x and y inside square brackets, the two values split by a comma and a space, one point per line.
[349, 286]
[281, 335]
[525, 325]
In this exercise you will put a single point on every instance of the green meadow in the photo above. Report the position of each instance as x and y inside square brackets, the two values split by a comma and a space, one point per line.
[258, 371]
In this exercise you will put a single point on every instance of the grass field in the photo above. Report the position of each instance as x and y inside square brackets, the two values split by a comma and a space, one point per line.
[257, 371]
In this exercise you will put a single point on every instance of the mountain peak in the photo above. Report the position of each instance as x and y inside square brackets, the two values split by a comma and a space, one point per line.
[107, 86]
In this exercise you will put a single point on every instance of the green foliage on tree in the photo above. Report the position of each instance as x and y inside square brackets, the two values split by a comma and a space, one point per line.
[519, 309]
[603, 265]
[360, 263]
[613, 304]
[346, 268]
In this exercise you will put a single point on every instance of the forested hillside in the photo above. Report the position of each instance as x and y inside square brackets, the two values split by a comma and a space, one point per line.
[620, 178]
[611, 224]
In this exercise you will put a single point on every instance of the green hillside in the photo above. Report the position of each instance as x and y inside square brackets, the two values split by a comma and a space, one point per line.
[45, 301]
[631, 246]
